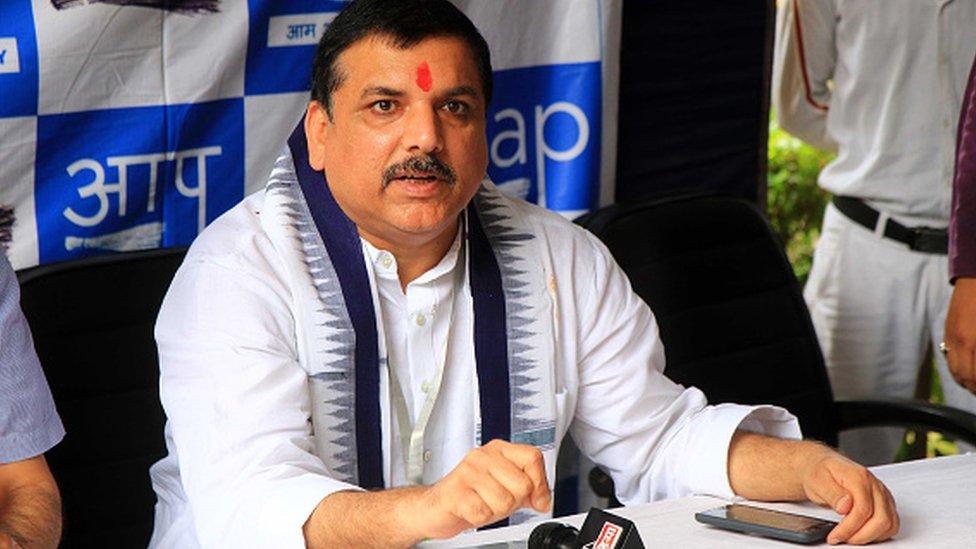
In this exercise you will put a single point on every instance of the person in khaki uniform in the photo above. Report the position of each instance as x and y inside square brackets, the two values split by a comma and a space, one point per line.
[881, 84]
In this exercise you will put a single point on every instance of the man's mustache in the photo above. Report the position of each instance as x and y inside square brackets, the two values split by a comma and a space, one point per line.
[419, 166]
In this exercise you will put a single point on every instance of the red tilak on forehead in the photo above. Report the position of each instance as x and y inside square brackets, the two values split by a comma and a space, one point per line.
[424, 79]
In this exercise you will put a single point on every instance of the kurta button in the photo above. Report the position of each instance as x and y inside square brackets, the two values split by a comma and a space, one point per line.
[427, 456]
[421, 319]
[425, 387]
[386, 261]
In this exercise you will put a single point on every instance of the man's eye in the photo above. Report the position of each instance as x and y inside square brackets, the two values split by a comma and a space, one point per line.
[456, 107]
[383, 106]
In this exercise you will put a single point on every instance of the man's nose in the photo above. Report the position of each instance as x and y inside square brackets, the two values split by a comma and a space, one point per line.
[423, 131]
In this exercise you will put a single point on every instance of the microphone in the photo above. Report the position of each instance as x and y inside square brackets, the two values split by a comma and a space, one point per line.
[601, 530]
[553, 535]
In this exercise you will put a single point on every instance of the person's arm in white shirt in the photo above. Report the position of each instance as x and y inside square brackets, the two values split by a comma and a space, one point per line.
[237, 405]
[803, 64]
[769, 469]
[659, 440]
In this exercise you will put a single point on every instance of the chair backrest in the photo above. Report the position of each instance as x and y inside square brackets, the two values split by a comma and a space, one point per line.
[731, 315]
[92, 322]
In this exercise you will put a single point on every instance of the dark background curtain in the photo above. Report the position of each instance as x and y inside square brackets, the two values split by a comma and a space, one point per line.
[694, 89]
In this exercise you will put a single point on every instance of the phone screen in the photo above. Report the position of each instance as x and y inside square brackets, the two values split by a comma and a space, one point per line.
[771, 519]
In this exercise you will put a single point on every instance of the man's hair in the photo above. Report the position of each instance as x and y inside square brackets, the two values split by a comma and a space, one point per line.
[405, 23]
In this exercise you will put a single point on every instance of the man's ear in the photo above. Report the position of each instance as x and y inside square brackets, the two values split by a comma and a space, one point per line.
[317, 127]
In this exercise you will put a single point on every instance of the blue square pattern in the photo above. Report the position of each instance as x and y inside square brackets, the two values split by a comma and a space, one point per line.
[544, 128]
[281, 43]
[18, 59]
[135, 178]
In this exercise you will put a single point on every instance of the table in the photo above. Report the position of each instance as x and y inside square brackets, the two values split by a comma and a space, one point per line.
[936, 501]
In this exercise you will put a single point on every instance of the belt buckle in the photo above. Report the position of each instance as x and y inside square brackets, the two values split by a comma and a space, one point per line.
[929, 240]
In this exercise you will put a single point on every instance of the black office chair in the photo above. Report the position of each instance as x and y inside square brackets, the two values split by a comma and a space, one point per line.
[92, 322]
[733, 319]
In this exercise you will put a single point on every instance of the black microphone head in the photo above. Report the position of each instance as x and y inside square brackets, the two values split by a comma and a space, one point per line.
[553, 535]
[603, 529]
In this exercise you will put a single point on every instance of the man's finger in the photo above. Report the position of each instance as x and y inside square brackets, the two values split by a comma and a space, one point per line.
[967, 368]
[860, 512]
[529, 459]
[515, 480]
[471, 508]
[825, 490]
[961, 359]
[843, 505]
[501, 502]
[482, 474]
[877, 528]
[954, 360]
[896, 522]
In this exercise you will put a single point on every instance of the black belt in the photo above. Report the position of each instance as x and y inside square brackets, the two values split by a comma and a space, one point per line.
[920, 239]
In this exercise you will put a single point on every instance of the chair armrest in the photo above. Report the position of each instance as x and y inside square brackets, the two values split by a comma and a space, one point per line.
[602, 486]
[914, 414]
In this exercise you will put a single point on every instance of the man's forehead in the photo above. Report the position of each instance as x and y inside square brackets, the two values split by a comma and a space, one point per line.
[377, 55]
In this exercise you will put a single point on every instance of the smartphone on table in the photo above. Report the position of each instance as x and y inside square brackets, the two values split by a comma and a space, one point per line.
[768, 523]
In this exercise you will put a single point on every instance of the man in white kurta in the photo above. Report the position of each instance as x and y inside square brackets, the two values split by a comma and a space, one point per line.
[235, 378]
[269, 370]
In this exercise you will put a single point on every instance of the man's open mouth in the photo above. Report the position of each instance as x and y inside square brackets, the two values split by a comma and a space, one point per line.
[416, 178]
[420, 170]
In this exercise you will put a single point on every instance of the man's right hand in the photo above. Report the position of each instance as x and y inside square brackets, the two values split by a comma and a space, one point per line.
[489, 484]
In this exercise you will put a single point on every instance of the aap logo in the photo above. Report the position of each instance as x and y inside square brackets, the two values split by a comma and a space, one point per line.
[544, 134]
[139, 178]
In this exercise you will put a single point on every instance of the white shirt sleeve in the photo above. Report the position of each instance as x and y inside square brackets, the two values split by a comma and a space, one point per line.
[803, 64]
[237, 403]
[657, 439]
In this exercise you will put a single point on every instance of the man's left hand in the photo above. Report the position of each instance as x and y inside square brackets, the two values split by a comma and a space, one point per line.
[960, 333]
[834, 481]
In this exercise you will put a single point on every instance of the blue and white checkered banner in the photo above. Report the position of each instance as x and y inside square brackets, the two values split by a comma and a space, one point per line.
[126, 126]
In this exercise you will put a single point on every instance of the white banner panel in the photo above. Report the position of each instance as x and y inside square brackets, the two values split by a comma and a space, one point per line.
[130, 127]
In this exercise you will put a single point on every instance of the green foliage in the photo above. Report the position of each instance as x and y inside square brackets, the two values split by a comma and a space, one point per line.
[794, 201]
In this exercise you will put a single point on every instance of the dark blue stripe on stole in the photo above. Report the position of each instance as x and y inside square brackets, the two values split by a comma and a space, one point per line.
[490, 337]
[345, 250]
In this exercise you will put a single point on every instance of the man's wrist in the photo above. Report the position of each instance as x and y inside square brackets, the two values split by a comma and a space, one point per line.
[409, 509]
[805, 457]
[964, 278]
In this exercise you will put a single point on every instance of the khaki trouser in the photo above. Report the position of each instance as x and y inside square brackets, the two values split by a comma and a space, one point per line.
[877, 306]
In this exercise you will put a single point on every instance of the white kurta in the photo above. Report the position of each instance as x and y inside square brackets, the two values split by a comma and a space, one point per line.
[243, 470]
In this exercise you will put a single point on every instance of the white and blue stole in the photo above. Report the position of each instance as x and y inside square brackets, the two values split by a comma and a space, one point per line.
[338, 343]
